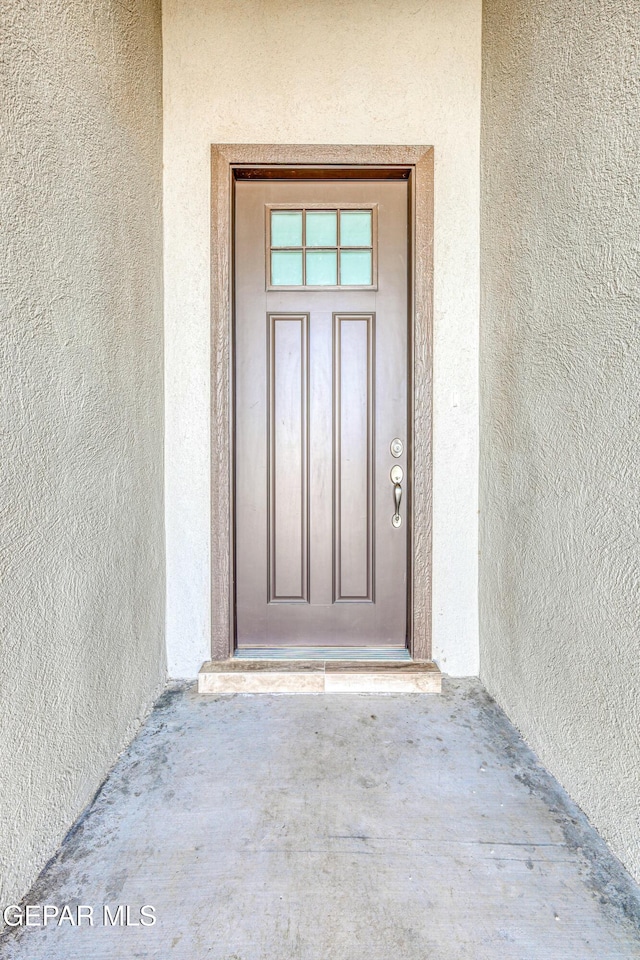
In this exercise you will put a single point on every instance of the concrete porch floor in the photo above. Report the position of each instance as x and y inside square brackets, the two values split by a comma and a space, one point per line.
[337, 827]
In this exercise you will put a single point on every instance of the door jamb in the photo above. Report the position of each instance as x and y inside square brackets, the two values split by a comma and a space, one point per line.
[228, 161]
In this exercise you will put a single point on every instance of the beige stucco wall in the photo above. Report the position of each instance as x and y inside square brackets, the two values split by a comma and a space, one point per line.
[560, 389]
[327, 71]
[81, 563]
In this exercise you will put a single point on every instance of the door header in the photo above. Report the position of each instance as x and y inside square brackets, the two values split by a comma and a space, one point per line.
[327, 172]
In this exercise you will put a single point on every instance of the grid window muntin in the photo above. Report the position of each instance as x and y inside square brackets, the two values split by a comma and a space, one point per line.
[304, 209]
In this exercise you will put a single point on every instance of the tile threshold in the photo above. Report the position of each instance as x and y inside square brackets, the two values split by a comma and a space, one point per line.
[318, 676]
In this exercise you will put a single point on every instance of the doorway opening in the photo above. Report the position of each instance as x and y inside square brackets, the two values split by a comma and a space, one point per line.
[321, 402]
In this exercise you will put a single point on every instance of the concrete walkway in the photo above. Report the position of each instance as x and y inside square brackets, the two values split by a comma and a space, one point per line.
[335, 827]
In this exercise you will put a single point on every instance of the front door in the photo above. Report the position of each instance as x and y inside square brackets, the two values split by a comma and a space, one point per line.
[321, 413]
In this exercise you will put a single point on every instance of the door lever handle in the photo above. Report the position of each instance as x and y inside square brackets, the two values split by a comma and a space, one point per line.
[397, 476]
[397, 493]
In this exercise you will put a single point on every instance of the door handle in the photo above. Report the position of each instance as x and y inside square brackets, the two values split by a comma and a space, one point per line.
[397, 476]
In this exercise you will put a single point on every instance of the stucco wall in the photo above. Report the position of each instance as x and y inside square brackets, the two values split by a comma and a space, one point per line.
[328, 71]
[560, 393]
[81, 563]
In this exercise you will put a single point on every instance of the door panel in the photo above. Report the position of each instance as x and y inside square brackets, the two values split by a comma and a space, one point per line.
[320, 382]
[353, 457]
[288, 432]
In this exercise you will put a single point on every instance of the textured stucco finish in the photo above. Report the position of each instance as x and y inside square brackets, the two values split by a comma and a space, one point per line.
[324, 72]
[81, 567]
[560, 394]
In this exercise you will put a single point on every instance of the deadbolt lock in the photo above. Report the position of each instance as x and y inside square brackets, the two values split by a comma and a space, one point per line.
[397, 447]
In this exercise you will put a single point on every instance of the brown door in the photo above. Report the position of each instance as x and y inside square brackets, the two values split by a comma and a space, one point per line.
[321, 394]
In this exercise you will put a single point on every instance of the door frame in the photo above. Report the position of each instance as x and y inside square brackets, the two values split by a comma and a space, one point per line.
[233, 161]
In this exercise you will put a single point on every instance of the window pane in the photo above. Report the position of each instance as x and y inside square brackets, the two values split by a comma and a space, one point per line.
[355, 228]
[355, 267]
[322, 268]
[322, 228]
[286, 228]
[286, 268]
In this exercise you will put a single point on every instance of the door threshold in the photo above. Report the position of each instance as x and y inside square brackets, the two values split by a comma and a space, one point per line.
[242, 675]
[393, 654]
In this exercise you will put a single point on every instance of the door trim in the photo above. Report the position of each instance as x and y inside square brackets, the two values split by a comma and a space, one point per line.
[230, 162]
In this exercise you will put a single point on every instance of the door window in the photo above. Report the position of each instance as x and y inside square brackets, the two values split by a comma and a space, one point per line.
[321, 247]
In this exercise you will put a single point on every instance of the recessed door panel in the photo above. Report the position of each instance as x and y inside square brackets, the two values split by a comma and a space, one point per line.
[353, 462]
[288, 459]
[320, 392]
